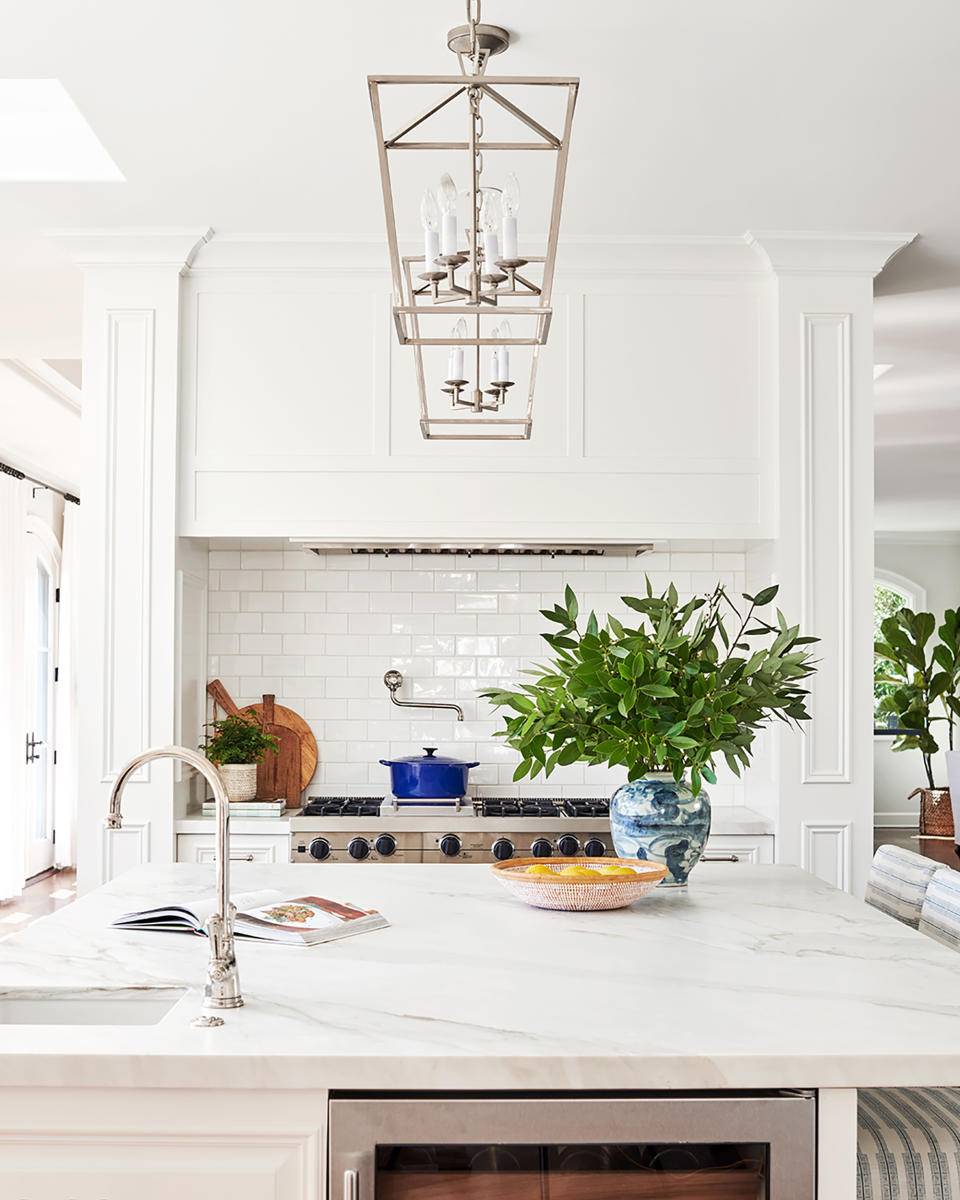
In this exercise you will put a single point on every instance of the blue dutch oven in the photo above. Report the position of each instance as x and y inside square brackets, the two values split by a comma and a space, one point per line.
[428, 776]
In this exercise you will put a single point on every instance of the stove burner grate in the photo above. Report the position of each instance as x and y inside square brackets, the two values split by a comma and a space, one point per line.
[342, 806]
[586, 808]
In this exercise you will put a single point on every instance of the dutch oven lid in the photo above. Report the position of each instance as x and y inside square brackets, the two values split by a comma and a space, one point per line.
[429, 756]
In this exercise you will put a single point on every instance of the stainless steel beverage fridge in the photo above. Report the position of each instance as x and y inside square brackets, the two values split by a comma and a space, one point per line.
[673, 1146]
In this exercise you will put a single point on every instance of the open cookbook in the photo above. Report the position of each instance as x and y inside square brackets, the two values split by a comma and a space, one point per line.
[305, 921]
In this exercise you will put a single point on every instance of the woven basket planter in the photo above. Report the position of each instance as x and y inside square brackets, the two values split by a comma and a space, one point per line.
[936, 813]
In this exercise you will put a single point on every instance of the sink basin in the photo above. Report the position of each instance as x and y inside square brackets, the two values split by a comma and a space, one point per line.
[107, 1006]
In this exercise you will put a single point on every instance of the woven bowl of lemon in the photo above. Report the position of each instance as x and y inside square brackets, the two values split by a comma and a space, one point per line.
[579, 884]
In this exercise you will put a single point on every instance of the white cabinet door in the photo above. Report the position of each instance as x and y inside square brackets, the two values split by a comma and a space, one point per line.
[155, 1144]
[244, 847]
[729, 847]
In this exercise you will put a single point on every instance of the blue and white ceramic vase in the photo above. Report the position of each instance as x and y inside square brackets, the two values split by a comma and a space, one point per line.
[657, 820]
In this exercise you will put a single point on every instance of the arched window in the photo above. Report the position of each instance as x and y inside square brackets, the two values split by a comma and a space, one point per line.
[891, 592]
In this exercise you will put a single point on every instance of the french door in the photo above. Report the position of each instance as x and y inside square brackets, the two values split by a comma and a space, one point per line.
[40, 646]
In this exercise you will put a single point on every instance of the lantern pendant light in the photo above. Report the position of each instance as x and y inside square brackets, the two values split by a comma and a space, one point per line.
[474, 288]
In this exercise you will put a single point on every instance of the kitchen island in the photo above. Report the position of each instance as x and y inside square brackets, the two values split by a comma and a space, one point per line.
[753, 977]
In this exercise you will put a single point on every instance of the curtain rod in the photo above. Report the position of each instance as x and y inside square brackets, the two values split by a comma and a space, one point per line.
[6, 469]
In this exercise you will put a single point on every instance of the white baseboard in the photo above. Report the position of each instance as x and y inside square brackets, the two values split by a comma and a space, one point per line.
[897, 820]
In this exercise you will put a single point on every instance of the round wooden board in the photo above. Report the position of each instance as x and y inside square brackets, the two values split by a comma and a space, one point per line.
[308, 743]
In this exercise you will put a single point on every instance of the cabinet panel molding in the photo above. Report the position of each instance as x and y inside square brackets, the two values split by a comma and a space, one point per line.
[129, 413]
[825, 851]
[826, 602]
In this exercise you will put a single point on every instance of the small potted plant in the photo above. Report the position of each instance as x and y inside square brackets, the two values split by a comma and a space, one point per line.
[663, 699]
[922, 680]
[235, 746]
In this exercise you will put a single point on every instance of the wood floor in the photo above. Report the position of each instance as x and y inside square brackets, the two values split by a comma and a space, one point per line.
[940, 849]
[41, 897]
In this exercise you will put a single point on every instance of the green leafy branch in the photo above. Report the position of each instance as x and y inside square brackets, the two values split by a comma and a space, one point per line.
[691, 682]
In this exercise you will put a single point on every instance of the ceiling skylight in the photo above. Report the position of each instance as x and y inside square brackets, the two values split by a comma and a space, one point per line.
[44, 137]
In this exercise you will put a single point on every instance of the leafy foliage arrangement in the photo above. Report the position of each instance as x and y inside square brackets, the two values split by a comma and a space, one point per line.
[919, 675]
[669, 695]
[239, 739]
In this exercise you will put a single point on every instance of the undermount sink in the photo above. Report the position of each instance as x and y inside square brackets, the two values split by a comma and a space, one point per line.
[108, 1006]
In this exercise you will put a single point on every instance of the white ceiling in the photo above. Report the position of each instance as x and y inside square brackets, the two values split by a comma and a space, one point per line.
[694, 117]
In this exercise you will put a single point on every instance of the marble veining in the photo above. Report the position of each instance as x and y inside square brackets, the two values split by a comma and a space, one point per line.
[753, 976]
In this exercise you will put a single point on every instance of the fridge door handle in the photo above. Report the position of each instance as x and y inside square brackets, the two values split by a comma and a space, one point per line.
[351, 1185]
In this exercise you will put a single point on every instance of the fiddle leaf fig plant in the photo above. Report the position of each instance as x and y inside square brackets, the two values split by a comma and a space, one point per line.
[917, 684]
[947, 657]
[686, 685]
[238, 739]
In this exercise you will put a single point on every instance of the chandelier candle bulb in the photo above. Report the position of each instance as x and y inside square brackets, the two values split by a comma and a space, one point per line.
[430, 219]
[511, 206]
[455, 360]
[491, 213]
[503, 355]
[448, 203]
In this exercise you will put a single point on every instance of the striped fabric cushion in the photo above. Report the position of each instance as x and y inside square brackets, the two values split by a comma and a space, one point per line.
[897, 882]
[908, 1144]
[940, 915]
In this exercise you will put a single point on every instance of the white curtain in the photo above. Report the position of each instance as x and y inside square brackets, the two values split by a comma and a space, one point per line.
[66, 715]
[12, 685]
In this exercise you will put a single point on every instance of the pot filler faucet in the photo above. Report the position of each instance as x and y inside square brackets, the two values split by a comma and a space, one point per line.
[222, 989]
[394, 681]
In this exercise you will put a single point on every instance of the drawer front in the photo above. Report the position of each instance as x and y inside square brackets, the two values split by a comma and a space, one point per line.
[244, 847]
[750, 848]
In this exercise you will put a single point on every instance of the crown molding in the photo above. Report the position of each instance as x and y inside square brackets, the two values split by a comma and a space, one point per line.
[833, 253]
[89, 248]
[579, 256]
[37, 372]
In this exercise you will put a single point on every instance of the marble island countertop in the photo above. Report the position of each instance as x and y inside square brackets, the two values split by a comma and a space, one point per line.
[752, 977]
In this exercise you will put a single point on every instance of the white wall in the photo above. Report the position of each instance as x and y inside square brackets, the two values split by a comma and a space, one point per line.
[320, 631]
[933, 563]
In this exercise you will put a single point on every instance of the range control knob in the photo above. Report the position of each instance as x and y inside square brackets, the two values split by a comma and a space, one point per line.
[320, 849]
[385, 844]
[502, 849]
[358, 848]
[450, 845]
[541, 848]
[568, 845]
[594, 848]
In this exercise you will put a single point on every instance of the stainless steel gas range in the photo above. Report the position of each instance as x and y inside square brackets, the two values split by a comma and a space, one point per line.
[485, 829]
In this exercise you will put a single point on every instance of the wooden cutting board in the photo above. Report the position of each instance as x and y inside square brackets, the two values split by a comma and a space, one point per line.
[279, 774]
[287, 719]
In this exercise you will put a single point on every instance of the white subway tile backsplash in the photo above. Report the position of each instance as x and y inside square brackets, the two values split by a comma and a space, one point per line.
[261, 643]
[241, 581]
[283, 622]
[320, 631]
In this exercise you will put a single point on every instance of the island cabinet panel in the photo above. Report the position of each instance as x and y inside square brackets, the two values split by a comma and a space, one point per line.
[98, 1144]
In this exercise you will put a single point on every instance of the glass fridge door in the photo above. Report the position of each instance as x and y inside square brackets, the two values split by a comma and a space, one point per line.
[628, 1147]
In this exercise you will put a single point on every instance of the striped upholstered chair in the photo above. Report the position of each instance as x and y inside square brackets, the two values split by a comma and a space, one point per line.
[940, 915]
[898, 882]
[908, 1139]
[908, 1144]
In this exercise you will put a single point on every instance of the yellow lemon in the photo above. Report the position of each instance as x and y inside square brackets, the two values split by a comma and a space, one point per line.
[539, 869]
[624, 873]
[610, 869]
[571, 869]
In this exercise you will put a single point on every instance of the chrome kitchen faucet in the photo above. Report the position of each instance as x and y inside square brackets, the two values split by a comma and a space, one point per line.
[222, 989]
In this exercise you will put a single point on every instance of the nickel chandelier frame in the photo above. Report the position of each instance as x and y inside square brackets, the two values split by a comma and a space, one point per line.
[465, 284]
